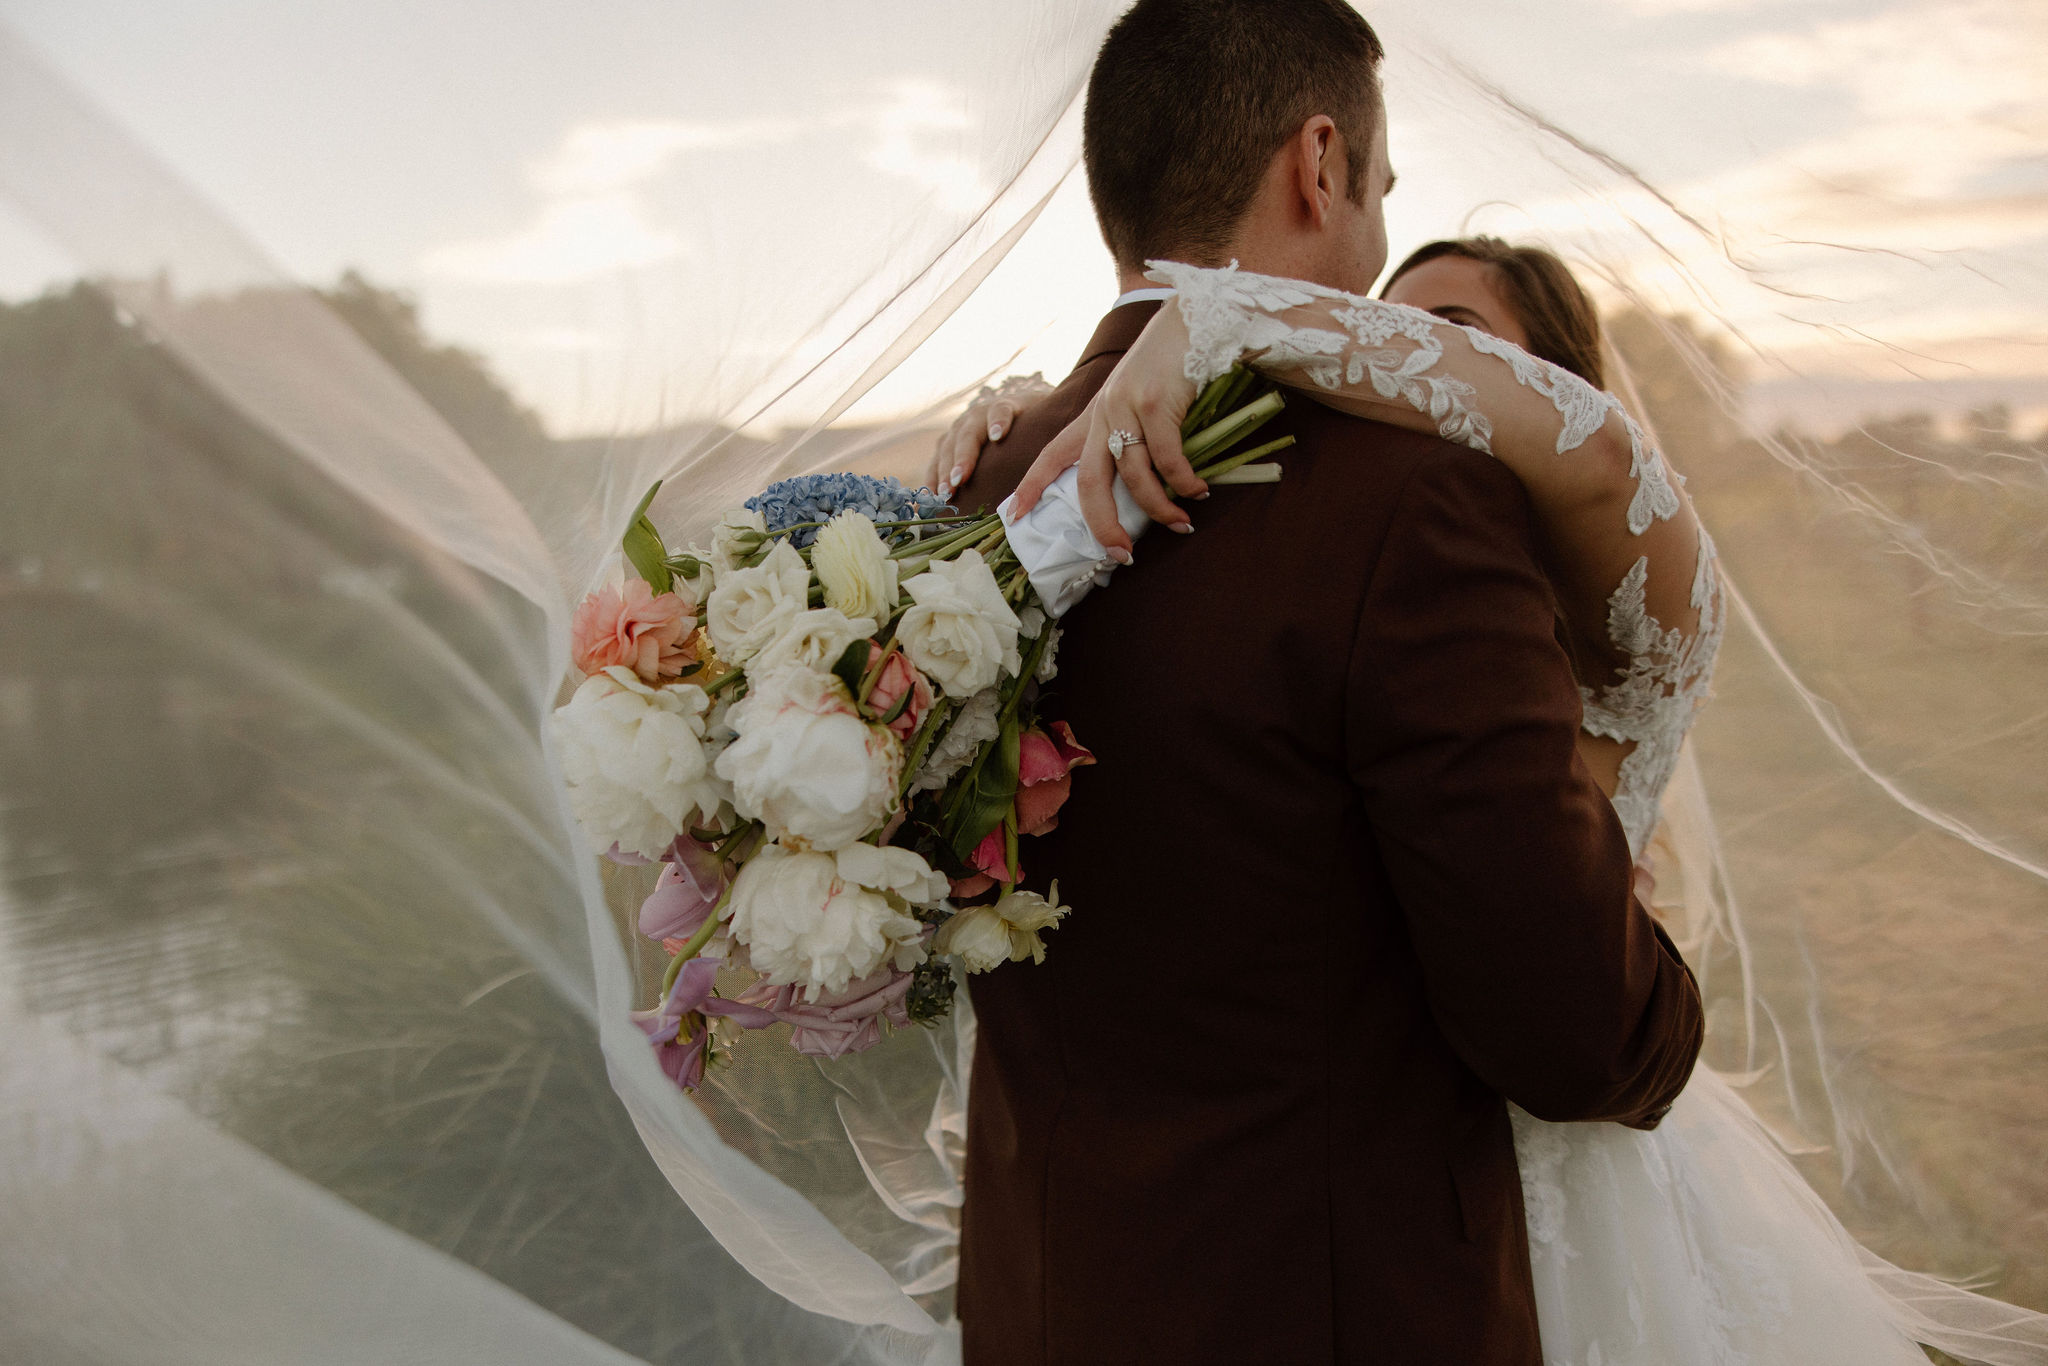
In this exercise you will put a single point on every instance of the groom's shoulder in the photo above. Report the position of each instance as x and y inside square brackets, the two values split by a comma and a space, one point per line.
[1369, 475]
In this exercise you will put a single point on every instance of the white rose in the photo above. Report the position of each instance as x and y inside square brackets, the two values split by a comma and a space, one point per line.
[812, 640]
[854, 567]
[806, 765]
[961, 633]
[634, 760]
[737, 536]
[984, 937]
[975, 725]
[807, 919]
[751, 607]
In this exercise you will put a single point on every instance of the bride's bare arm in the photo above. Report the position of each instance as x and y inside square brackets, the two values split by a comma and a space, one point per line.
[1633, 568]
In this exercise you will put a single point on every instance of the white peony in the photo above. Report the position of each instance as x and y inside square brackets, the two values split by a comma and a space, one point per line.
[975, 725]
[751, 607]
[806, 765]
[960, 633]
[808, 918]
[635, 761]
[984, 937]
[812, 640]
[887, 868]
[854, 567]
[734, 540]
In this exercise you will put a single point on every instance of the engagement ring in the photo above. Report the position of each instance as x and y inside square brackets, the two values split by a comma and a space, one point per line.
[1120, 440]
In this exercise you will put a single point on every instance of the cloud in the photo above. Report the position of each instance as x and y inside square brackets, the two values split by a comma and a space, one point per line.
[593, 217]
[591, 221]
[572, 240]
[915, 111]
[1944, 150]
[595, 158]
[1664, 7]
[1956, 58]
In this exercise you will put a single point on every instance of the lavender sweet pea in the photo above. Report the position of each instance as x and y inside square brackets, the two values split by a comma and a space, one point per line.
[692, 880]
[677, 1027]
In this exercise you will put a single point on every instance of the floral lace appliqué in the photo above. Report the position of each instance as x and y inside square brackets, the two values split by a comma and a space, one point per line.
[1653, 701]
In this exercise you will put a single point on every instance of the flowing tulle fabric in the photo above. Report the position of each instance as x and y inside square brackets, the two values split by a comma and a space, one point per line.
[313, 1036]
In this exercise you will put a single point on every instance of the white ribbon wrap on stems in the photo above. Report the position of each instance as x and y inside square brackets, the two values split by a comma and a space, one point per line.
[1055, 546]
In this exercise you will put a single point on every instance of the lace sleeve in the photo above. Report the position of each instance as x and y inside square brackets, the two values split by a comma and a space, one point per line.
[1610, 507]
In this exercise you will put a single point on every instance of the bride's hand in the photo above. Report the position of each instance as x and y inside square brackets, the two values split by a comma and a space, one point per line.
[1147, 395]
[987, 420]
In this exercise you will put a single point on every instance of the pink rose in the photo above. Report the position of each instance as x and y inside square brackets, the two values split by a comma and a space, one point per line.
[1045, 764]
[988, 862]
[648, 633]
[898, 676]
[831, 1024]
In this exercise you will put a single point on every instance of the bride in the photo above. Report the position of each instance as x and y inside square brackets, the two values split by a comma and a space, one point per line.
[1697, 1241]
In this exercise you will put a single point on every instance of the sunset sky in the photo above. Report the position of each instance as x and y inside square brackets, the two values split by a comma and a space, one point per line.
[636, 210]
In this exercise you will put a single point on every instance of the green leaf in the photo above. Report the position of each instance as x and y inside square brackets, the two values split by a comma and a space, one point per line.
[897, 710]
[643, 547]
[642, 544]
[853, 662]
[987, 794]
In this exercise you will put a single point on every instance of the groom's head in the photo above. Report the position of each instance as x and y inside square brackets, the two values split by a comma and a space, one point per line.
[1241, 128]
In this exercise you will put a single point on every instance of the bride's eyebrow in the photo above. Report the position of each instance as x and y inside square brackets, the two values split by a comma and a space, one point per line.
[1464, 317]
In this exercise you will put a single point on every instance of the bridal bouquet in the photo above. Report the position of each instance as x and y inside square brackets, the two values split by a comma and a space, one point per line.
[826, 728]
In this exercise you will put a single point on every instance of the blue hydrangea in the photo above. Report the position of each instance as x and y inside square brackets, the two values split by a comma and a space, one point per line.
[817, 497]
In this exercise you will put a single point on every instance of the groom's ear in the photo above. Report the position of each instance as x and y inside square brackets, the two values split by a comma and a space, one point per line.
[1316, 166]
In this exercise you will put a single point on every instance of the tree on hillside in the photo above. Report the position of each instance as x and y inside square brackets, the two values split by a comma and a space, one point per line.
[1683, 374]
[456, 381]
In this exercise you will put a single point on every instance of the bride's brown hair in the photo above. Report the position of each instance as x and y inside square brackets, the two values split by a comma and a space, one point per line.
[1549, 302]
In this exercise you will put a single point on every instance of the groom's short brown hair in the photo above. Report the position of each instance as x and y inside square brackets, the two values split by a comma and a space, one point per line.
[1189, 100]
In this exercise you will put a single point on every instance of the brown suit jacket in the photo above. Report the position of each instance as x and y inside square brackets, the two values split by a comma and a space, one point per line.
[1340, 886]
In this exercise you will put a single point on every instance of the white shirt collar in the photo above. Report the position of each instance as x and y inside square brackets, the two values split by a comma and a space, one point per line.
[1139, 296]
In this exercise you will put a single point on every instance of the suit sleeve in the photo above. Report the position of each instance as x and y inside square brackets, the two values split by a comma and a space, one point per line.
[1545, 974]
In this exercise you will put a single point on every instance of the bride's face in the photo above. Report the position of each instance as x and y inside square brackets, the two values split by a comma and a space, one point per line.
[1460, 290]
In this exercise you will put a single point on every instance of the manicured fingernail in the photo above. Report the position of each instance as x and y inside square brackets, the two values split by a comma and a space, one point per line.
[1121, 556]
[953, 479]
[995, 431]
[1184, 528]
[1202, 497]
[945, 489]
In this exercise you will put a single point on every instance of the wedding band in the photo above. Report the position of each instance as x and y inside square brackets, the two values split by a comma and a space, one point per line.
[1121, 440]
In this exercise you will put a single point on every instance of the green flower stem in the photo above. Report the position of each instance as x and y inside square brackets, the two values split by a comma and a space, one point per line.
[1209, 402]
[694, 945]
[728, 680]
[938, 546]
[1028, 670]
[1010, 846]
[1230, 463]
[928, 521]
[874, 674]
[1240, 424]
[921, 743]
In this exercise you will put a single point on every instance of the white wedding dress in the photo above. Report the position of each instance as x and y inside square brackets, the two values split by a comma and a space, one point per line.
[1696, 1243]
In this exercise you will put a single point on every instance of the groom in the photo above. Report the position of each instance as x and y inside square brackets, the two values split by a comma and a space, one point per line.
[1348, 889]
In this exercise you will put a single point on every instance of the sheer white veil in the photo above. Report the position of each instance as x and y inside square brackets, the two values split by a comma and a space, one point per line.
[313, 1036]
